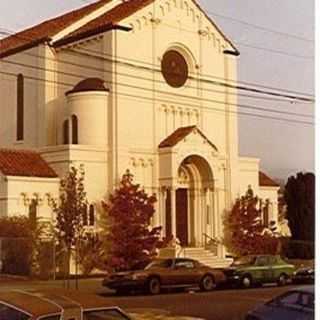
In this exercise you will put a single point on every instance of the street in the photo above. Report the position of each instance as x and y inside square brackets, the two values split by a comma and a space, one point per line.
[227, 304]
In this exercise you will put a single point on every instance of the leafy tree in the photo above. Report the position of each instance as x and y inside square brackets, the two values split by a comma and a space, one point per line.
[70, 212]
[244, 230]
[131, 240]
[300, 199]
[20, 245]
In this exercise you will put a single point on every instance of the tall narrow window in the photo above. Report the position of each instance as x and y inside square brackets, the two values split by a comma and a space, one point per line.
[85, 215]
[20, 107]
[33, 213]
[91, 215]
[66, 132]
[74, 120]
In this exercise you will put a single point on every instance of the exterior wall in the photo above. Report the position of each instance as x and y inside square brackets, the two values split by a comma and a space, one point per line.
[248, 175]
[3, 195]
[20, 189]
[14, 65]
[94, 160]
[271, 193]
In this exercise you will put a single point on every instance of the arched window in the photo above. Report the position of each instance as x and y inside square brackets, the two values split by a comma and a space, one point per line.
[66, 132]
[74, 120]
[91, 215]
[20, 107]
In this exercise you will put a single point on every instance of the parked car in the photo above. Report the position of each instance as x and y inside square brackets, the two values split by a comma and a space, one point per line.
[303, 276]
[57, 304]
[295, 304]
[259, 269]
[166, 273]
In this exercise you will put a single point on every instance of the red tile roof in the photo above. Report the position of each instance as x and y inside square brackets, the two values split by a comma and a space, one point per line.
[265, 181]
[179, 135]
[44, 31]
[24, 163]
[110, 18]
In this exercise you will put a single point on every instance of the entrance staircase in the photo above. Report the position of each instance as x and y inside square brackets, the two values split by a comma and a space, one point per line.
[206, 257]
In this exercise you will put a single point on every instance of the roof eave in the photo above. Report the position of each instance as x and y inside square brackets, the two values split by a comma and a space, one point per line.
[70, 39]
[24, 47]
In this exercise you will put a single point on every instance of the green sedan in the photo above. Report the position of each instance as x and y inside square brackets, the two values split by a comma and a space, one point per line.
[259, 269]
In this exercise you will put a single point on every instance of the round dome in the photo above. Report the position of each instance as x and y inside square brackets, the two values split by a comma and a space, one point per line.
[89, 84]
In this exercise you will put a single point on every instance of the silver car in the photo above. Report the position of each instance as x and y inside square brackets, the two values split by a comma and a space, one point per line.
[295, 304]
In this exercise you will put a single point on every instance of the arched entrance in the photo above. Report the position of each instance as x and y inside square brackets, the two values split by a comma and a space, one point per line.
[192, 202]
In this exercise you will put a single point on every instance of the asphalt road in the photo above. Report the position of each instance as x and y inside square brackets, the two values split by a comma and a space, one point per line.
[227, 304]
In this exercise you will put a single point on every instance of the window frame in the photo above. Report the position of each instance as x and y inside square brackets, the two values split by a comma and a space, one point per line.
[20, 108]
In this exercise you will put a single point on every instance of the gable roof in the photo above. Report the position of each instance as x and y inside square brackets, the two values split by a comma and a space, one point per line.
[179, 135]
[265, 181]
[44, 31]
[24, 163]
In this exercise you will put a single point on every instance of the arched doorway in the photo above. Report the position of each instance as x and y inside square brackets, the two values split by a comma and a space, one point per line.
[192, 201]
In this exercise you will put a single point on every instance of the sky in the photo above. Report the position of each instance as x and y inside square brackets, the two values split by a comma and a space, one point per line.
[284, 148]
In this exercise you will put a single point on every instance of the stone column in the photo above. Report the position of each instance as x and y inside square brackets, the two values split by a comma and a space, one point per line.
[173, 212]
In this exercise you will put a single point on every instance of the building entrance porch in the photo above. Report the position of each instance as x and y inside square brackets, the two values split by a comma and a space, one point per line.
[190, 209]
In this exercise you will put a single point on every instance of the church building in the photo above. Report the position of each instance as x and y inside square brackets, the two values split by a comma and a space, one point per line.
[144, 85]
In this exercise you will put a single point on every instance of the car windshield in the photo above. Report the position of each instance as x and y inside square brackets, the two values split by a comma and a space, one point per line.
[244, 260]
[108, 314]
[295, 298]
[159, 264]
[7, 313]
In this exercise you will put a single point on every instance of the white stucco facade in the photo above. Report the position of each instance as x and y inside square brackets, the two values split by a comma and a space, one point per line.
[123, 127]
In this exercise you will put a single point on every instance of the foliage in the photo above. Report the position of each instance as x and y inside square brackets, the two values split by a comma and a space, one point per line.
[300, 199]
[131, 240]
[20, 245]
[244, 230]
[90, 253]
[70, 211]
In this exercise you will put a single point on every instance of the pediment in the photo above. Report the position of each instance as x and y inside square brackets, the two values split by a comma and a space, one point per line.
[191, 135]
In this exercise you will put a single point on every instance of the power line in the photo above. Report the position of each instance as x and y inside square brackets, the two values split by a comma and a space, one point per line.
[204, 75]
[260, 116]
[159, 91]
[258, 27]
[154, 80]
[204, 80]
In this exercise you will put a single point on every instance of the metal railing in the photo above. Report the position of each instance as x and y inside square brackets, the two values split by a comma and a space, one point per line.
[211, 243]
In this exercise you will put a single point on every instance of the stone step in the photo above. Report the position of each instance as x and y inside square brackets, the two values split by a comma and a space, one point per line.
[206, 257]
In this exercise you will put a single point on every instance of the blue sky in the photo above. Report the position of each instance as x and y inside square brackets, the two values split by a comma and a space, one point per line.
[284, 148]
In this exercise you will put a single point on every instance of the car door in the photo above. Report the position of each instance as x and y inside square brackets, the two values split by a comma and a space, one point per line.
[263, 270]
[184, 272]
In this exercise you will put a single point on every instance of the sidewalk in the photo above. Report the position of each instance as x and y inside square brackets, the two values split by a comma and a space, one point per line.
[92, 285]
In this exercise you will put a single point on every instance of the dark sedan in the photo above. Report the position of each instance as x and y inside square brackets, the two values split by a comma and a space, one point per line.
[295, 304]
[166, 273]
[303, 276]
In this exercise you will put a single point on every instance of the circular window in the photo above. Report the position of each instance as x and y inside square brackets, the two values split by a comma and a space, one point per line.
[174, 68]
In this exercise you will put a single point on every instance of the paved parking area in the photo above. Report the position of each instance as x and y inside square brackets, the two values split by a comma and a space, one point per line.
[228, 304]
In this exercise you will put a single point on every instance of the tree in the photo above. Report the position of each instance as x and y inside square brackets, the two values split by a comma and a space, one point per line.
[300, 198]
[128, 213]
[244, 230]
[20, 243]
[70, 212]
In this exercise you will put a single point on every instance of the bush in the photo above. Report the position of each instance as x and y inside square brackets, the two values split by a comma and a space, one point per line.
[19, 245]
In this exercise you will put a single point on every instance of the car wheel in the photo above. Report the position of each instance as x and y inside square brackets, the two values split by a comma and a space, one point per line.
[154, 286]
[246, 281]
[207, 283]
[282, 280]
